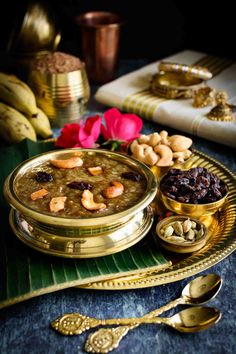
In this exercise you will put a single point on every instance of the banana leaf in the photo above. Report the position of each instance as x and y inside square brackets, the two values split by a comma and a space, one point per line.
[25, 273]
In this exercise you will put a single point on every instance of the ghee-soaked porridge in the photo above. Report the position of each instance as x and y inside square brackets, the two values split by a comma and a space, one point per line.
[83, 186]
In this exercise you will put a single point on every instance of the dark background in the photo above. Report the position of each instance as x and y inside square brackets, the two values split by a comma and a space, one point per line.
[152, 29]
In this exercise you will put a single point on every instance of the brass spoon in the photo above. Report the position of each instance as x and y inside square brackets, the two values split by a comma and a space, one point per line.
[190, 320]
[196, 292]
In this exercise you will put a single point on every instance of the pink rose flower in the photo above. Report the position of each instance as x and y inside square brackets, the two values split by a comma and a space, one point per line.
[80, 135]
[120, 128]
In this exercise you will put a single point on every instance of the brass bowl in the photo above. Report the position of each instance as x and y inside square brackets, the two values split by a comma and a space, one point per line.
[193, 210]
[183, 247]
[81, 237]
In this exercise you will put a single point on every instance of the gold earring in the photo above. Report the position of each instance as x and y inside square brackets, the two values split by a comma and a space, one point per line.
[222, 111]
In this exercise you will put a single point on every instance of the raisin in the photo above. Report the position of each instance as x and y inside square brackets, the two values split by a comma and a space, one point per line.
[43, 177]
[80, 185]
[133, 176]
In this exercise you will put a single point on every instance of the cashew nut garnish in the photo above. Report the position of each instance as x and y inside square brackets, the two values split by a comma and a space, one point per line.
[114, 190]
[95, 171]
[39, 194]
[56, 204]
[166, 155]
[88, 202]
[72, 162]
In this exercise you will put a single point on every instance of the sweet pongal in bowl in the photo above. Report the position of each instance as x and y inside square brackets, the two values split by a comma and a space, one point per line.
[77, 193]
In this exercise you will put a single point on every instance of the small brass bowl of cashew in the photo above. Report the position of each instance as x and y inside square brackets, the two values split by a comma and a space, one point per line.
[59, 219]
[181, 234]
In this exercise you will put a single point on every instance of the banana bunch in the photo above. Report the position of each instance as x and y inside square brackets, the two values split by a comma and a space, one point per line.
[20, 117]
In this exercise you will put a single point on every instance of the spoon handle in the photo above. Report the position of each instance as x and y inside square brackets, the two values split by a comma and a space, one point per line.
[164, 308]
[76, 323]
[107, 339]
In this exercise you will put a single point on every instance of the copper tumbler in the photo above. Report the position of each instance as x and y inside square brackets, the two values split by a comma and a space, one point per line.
[100, 35]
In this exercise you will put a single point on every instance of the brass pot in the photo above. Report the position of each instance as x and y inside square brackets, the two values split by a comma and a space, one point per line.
[62, 96]
[80, 237]
[36, 32]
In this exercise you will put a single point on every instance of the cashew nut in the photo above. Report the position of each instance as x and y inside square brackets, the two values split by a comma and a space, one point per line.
[151, 139]
[164, 137]
[95, 171]
[88, 202]
[68, 163]
[114, 190]
[145, 154]
[138, 151]
[57, 204]
[181, 156]
[39, 194]
[180, 142]
[154, 139]
[133, 146]
[143, 139]
[166, 155]
[150, 157]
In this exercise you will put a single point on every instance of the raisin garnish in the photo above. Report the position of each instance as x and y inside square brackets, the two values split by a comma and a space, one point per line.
[80, 185]
[43, 177]
[133, 176]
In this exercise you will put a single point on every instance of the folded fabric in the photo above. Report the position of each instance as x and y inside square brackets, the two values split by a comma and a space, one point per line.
[132, 93]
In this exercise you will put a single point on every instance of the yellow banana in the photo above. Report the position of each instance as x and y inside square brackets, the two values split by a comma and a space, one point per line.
[41, 124]
[14, 127]
[17, 94]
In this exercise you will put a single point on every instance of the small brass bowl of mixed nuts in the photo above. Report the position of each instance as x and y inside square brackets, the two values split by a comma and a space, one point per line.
[181, 234]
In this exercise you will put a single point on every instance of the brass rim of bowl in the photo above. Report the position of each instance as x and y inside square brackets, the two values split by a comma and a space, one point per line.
[16, 203]
[171, 219]
[204, 205]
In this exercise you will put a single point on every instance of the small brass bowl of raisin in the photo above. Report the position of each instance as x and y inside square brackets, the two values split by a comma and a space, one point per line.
[195, 192]
[181, 234]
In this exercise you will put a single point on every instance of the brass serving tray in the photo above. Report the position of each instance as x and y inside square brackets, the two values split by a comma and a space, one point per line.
[221, 243]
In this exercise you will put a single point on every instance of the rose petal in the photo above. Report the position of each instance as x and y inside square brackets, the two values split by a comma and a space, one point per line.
[111, 117]
[69, 136]
[90, 132]
[122, 127]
